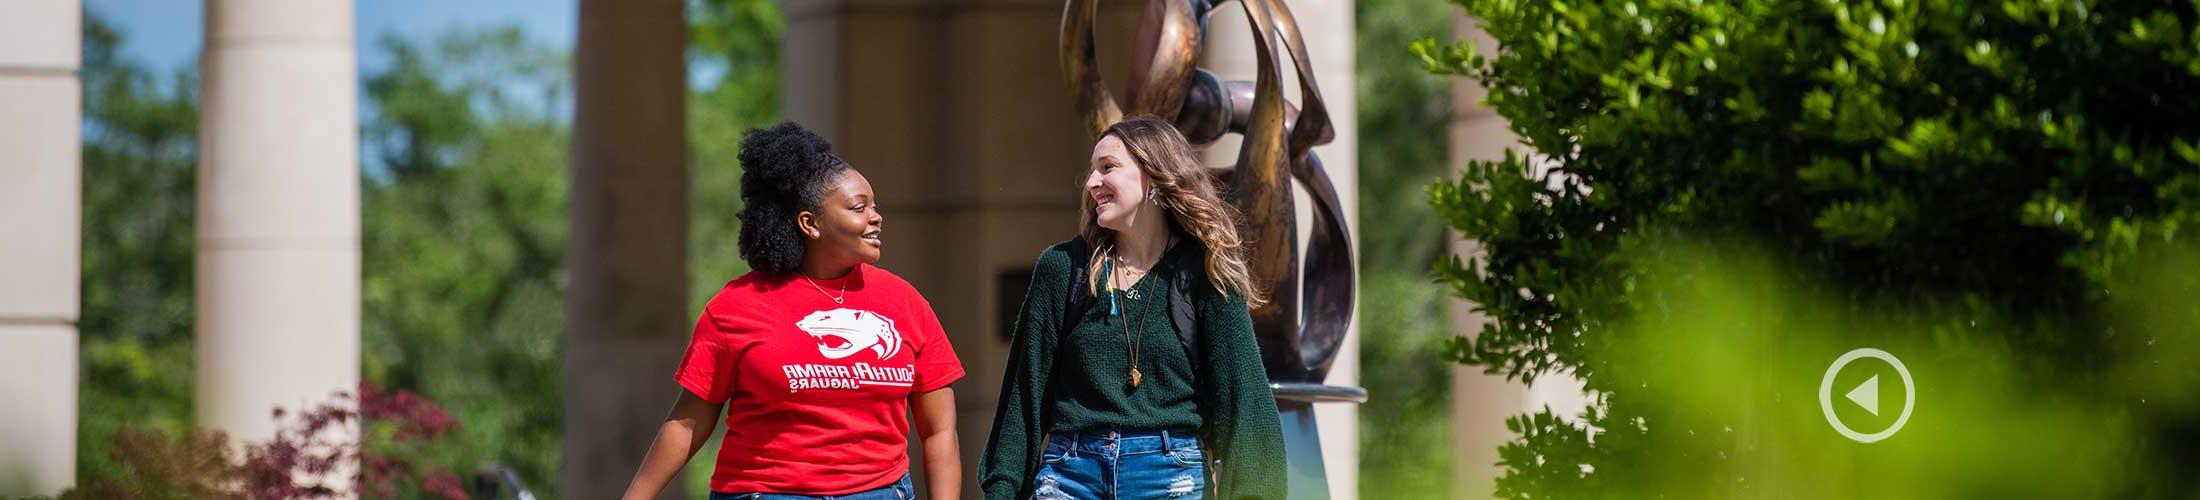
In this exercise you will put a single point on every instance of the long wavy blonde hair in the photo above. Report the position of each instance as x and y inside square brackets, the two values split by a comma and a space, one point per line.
[1187, 193]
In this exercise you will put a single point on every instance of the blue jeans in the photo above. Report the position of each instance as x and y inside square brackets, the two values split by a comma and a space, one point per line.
[900, 490]
[1127, 465]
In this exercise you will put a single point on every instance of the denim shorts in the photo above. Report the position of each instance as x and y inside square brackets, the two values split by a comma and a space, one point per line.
[1108, 465]
[900, 490]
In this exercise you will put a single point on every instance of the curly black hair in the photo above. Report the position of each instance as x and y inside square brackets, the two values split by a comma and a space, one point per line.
[785, 170]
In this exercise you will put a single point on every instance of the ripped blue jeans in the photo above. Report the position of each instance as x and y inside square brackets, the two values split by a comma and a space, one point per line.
[1106, 465]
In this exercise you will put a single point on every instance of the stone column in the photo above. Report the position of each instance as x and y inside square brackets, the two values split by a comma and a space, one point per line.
[1480, 402]
[626, 308]
[40, 182]
[1328, 30]
[957, 112]
[278, 212]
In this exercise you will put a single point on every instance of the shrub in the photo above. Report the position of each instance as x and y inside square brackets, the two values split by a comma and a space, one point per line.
[1991, 164]
[304, 459]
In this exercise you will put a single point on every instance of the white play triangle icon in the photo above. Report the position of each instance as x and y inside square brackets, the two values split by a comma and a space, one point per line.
[1867, 395]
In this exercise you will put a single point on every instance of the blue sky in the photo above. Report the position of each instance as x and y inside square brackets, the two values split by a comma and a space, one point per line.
[166, 33]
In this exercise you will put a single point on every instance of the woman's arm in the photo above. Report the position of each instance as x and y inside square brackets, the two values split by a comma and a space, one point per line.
[935, 413]
[686, 428]
[1012, 450]
[1245, 433]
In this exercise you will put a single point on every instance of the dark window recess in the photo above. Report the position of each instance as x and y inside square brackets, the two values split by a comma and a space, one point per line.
[1012, 285]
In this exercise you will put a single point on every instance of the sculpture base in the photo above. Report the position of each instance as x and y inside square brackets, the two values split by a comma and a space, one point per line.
[1302, 444]
[1308, 477]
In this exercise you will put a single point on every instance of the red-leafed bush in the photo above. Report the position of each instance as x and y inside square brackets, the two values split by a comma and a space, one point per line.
[312, 455]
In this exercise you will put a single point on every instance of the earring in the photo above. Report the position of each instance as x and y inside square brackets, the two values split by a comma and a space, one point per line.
[1153, 195]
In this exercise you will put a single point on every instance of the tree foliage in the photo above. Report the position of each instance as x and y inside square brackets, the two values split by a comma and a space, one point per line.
[1405, 428]
[464, 138]
[1987, 161]
[463, 241]
[140, 156]
[304, 459]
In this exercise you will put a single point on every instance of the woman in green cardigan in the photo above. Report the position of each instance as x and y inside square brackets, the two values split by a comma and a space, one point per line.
[1134, 369]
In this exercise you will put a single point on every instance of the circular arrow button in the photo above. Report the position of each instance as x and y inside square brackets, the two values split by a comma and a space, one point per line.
[1865, 394]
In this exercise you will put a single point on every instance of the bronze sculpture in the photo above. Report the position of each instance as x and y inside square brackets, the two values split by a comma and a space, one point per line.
[1302, 328]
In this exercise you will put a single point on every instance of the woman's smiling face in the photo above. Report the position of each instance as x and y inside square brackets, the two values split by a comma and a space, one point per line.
[847, 225]
[1116, 184]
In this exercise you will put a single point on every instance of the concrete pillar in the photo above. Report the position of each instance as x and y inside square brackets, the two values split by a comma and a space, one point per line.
[40, 183]
[626, 308]
[957, 112]
[278, 212]
[1480, 403]
[1327, 26]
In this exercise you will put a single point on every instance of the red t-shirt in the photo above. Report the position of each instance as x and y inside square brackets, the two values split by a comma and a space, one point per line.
[816, 393]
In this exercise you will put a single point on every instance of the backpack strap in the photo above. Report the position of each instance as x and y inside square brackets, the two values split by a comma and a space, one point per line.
[1077, 298]
[1182, 312]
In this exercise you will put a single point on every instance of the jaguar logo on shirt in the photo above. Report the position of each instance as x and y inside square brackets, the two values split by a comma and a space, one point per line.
[843, 332]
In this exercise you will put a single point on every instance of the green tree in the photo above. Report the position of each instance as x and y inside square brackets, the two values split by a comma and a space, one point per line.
[463, 239]
[1993, 164]
[140, 153]
[1405, 427]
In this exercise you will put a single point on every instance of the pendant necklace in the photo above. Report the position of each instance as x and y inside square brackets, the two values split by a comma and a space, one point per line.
[836, 300]
[1131, 336]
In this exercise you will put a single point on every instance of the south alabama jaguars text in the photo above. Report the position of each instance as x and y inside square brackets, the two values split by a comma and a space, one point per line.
[821, 376]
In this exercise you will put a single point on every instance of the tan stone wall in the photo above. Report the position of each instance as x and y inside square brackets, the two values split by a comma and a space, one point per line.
[40, 185]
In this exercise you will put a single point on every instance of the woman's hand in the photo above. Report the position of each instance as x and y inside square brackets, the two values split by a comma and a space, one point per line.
[935, 412]
[686, 428]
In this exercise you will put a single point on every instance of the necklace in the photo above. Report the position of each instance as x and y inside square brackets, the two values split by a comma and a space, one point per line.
[1131, 276]
[836, 300]
[1130, 336]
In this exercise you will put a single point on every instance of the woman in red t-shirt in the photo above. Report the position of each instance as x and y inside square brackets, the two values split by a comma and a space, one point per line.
[815, 357]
